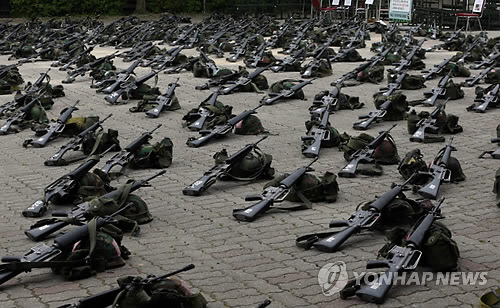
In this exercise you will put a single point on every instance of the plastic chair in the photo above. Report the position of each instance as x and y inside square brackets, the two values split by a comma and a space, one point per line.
[477, 12]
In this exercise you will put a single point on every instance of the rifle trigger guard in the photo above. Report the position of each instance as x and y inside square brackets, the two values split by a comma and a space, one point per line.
[415, 255]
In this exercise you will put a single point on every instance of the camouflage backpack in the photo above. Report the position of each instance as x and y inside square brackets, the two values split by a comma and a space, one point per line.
[414, 118]
[158, 155]
[373, 74]
[286, 84]
[453, 90]
[102, 250]
[397, 109]
[99, 142]
[322, 68]
[255, 164]
[493, 76]
[310, 188]
[352, 56]
[344, 101]
[219, 114]
[258, 83]
[439, 250]
[410, 82]
[99, 73]
[391, 59]
[458, 70]
[413, 162]
[76, 125]
[149, 102]
[169, 292]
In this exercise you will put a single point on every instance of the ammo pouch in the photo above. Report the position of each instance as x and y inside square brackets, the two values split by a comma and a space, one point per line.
[397, 109]
[255, 164]
[158, 155]
[100, 142]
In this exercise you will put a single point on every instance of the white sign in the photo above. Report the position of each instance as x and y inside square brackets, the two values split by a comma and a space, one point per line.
[347, 2]
[400, 10]
[335, 2]
[369, 2]
[478, 6]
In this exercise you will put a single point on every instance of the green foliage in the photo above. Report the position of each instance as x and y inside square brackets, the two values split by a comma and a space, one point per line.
[40, 8]
[174, 6]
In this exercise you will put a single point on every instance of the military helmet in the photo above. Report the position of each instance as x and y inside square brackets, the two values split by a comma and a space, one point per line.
[261, 82]
[105, 248]
[251, 125]
[457, 174]
[386, 153]
[139, 211]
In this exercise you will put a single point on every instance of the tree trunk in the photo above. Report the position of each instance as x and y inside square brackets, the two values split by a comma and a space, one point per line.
[140, 7]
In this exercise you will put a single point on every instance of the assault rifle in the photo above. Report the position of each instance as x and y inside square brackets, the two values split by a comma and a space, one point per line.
[317, 135]
[123, 157]
[436, 70]
[328, 102]
[211, 67]
[270, 195]
[359, 221]
[219, 130]
[53, 130]
[178, 68]
[181, 39]
[71, 54]
[494, 154]
[406, 63]
[243, 81]
[210, 177]
[375, 116]
[364, 155]
[163, 101]
[470, 82]
[341, 54]
[76, 59]
[285, 93]
[79, 214]
[169, 59]
[315, 63]
[438, 172]
[80, 71]
[438, 92]
[428, 125]
[449, 41]
[289, 60]
[256, 56]
[63, 188]
[490, 98]
[127, 86]
[41, 255]
[193, 39]
[490, 61]
[107, 298]
[399, 259]
[75, 145]
[219, 81]
[110, 85]
[241, 50]
[19, 116]
[203, 113]
[35, 89]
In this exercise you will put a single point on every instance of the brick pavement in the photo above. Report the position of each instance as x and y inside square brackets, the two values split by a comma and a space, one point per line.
[241, 264]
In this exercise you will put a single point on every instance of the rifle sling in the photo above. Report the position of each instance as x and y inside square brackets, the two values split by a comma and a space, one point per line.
[306, 241]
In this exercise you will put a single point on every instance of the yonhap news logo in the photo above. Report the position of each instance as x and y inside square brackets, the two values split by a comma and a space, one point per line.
[332, 278]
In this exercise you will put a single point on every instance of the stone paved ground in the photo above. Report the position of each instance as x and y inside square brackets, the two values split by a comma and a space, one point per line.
[241, 264]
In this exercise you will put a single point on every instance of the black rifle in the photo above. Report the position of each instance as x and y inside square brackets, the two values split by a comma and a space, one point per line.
[211, 67]
[53, 130]
[36, 88]
[109, 86]
[178, 68]
[127, 86]
[328, 102]
[359, 221]
[436, 70]
[438, 92]
[490, 61]
[163, 101]
[203, 113]
[169, 59]
[428, 125]
[210, 177]
[219, 130]
[375, 116]
[18, 117]
[181, 39]
[219, 81]
[399, 259]
[317, 135]
[253, 60]
[285, 93]
[289, 60]
[15, 265]
[341, 54]
[490, 98]
[241, 50]
[63, 188]
[315, 63]
[74, 144]
[406, 63]
[76, 59]
[123, 157]
[494, 154]
[106, 298]
[438, 172]
[270, 195]
[449, 41]
[469, 82]
[79, 214]
[243, 81]
[80, 71]
[364, 155]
